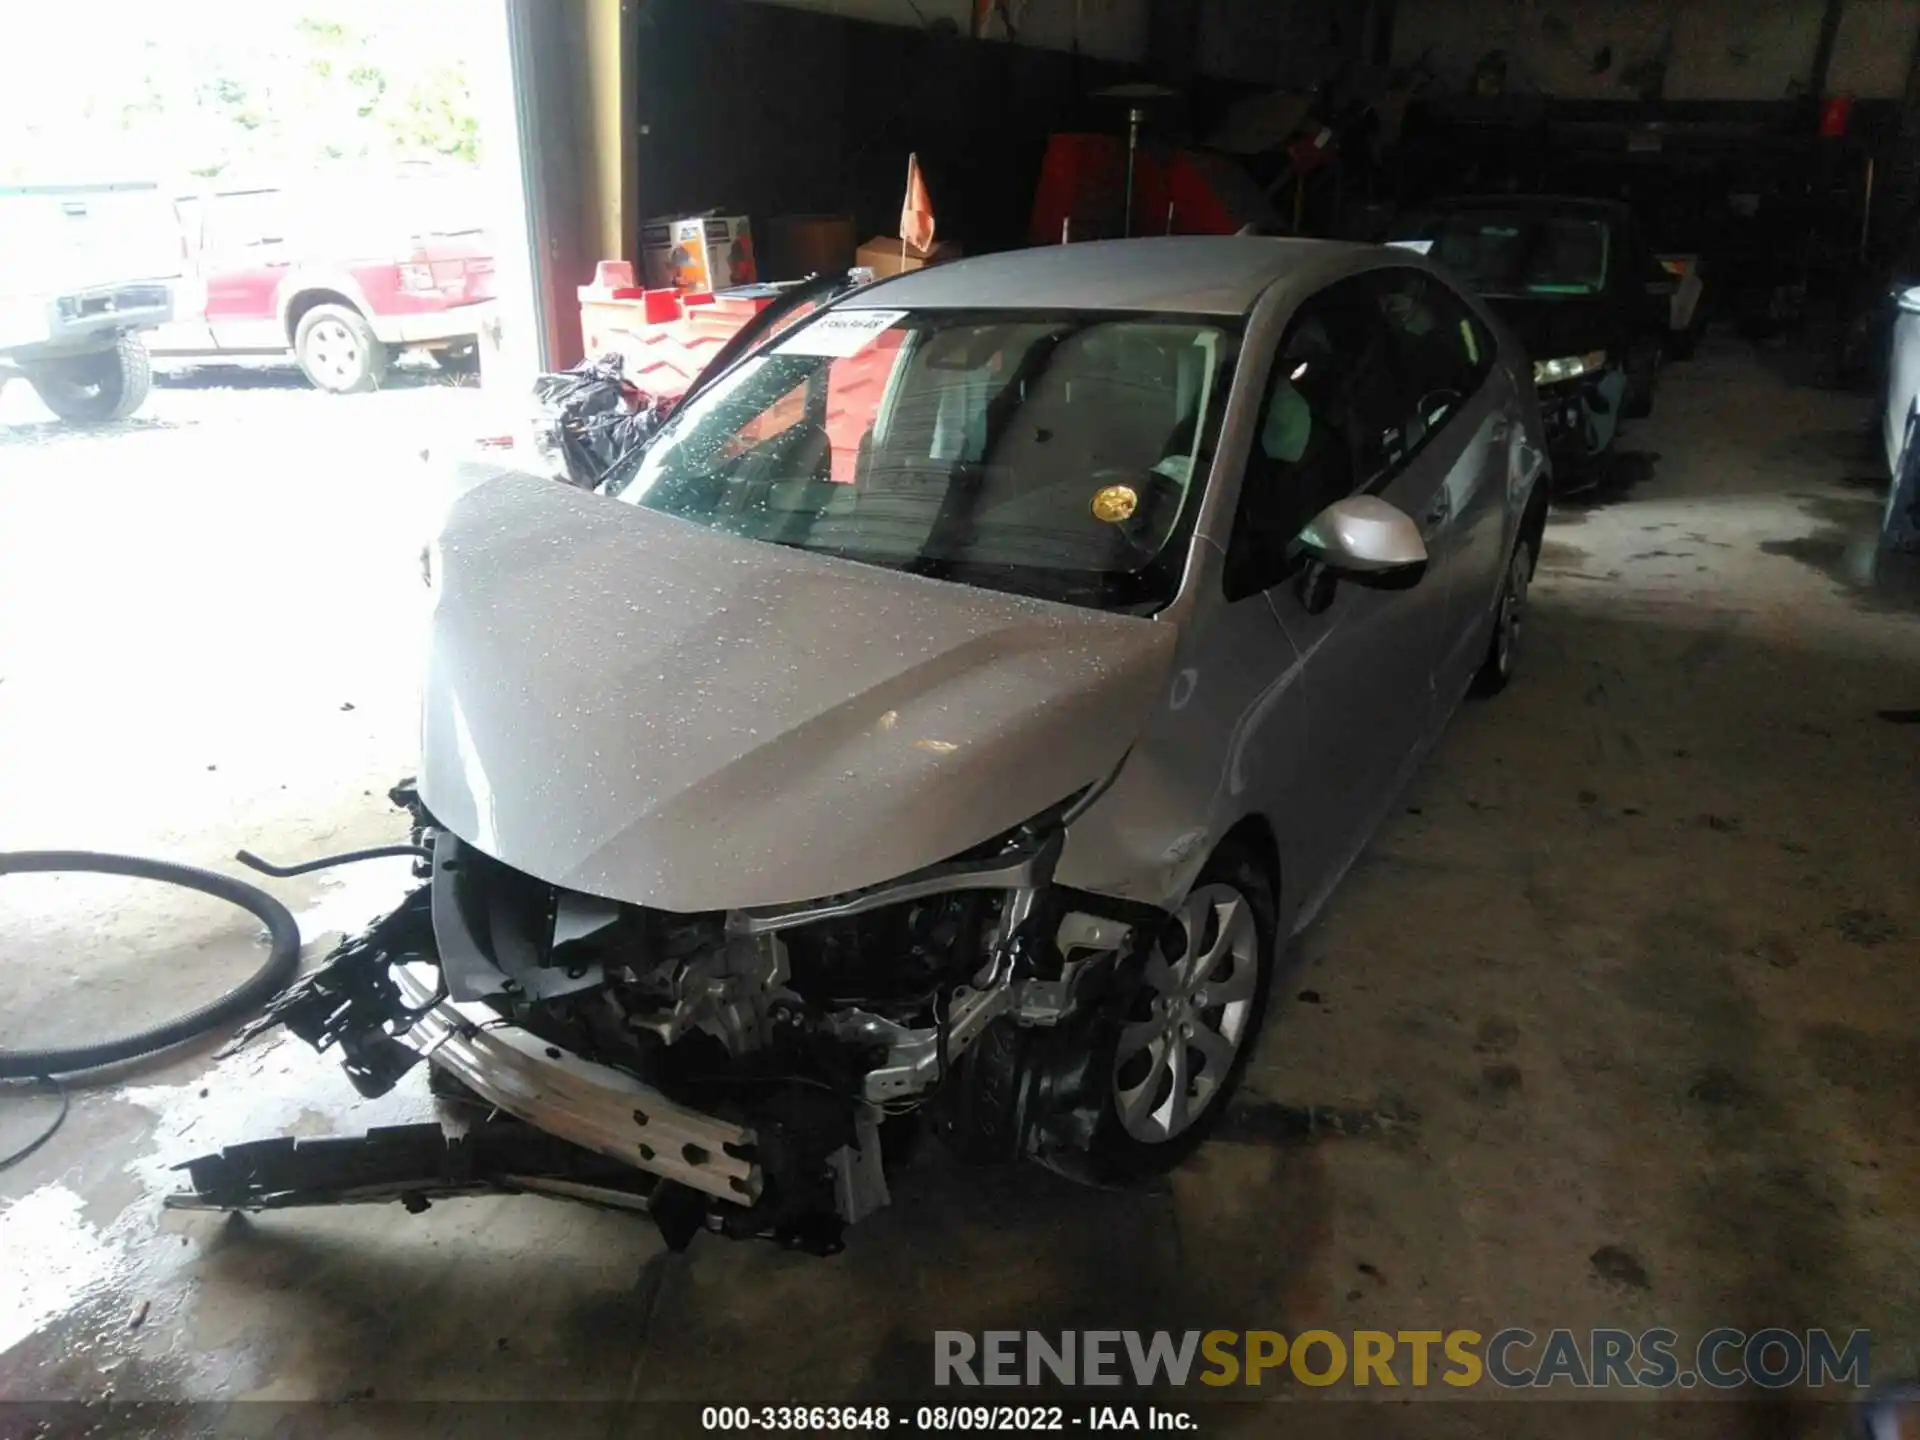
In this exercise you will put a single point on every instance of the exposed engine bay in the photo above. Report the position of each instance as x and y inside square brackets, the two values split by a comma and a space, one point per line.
[747, 1065]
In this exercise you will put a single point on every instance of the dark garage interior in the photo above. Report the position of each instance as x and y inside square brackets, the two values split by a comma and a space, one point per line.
[1537, 861]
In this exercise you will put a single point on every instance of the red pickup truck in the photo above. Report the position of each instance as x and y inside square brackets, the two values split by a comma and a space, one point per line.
[340, 274]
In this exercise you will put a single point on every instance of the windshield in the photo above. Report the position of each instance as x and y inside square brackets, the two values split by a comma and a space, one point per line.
[1523, 254]
[1056, 455]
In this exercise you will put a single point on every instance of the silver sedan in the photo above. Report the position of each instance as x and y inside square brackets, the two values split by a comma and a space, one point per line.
[951, 713]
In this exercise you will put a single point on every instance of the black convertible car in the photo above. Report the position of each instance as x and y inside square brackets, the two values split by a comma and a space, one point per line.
[1580, 287]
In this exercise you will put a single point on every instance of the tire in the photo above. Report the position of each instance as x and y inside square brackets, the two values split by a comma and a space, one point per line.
[338, 350]
[1497, 669]
[1144, 1128]
[96, 389]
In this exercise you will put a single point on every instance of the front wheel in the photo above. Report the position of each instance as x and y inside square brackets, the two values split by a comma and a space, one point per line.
[1176, 1055]
[96, 389]
[339, 351]
[1497, 669]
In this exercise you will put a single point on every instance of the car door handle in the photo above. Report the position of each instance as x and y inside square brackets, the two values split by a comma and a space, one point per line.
[1437, 514]
[1501, 432]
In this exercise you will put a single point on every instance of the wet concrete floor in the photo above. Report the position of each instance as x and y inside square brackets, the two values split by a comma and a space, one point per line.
[1614, 1023]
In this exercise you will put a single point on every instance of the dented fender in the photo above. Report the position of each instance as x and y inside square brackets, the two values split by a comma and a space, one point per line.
[1218, 745]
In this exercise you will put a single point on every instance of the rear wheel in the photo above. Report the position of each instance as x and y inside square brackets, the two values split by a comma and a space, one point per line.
[1497, 669]
[339, 351]
[1177, 1055]
[96, 389]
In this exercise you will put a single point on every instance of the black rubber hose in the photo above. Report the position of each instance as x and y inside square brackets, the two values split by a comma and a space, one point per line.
[283, 959]
[59, 1093]
[327, 862]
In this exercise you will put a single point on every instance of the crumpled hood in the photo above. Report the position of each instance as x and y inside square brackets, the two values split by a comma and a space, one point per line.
[626, 704]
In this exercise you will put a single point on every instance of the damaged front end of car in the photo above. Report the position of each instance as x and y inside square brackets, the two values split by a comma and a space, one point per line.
[736, 1071]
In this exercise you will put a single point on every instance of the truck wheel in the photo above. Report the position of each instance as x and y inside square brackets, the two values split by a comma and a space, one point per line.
[339, 351]
[98, 388]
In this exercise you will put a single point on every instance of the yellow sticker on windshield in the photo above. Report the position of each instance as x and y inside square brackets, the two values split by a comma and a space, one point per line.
[1473, 345]
[1115, 503]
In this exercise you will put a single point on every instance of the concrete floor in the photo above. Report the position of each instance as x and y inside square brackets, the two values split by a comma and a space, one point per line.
[1629, 975]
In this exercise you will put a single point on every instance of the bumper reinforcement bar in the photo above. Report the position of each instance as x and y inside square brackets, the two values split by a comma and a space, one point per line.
[594, 1106]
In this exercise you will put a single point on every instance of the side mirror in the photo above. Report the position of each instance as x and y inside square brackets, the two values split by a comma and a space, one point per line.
[1364, 539]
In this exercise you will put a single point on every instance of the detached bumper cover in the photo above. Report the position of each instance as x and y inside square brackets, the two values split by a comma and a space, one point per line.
[1562, 413]
[594, 1106]
[411, 1164]
[1580, 416]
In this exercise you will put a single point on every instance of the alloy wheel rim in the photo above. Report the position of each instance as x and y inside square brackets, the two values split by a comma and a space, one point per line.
[334, 352]
[1513, 604]
[1190, 1018]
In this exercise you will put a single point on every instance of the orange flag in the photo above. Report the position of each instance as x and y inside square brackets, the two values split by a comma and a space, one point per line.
[916, 211]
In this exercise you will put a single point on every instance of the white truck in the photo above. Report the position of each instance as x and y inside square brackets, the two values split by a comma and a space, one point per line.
[82, 273]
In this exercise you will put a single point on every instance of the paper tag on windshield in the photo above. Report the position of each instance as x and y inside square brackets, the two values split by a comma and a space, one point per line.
[839, 333]
[1418, 247]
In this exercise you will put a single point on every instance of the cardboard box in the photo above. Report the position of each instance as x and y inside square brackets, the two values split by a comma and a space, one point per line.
[697, 252]
[882, 255]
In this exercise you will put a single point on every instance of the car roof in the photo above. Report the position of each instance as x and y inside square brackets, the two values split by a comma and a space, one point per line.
[1176, 275]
